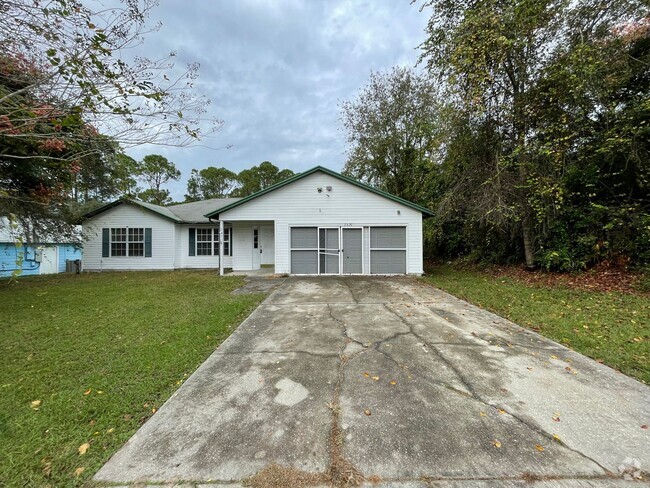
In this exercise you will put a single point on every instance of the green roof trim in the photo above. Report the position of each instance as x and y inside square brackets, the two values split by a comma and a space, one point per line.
[341, 177]
[162, 211]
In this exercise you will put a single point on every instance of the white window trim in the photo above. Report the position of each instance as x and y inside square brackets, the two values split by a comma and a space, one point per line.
[227, 232]
[126, 242]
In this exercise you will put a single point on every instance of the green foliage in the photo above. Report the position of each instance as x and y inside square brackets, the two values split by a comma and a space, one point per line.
[543, 152]
[210, 182]
[392, 128]
[259, 177]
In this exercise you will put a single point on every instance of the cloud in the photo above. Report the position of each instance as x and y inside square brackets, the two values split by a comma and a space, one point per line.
[276, 71]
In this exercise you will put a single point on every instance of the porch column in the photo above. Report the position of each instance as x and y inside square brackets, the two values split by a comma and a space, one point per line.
[221, 247]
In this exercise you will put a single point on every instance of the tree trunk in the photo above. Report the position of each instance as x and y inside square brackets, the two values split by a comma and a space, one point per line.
[528, 244]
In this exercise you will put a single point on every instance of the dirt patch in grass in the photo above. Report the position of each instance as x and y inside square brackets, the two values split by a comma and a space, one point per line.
[606, 277]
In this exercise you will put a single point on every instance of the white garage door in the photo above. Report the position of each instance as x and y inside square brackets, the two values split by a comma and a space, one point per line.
[388, 250]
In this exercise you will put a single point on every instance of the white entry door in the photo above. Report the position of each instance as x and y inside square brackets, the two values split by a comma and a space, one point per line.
[257, 248]
[49, 260]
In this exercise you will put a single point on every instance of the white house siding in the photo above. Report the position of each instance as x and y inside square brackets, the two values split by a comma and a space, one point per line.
[126, 215]
[299, 203]
[183, 258]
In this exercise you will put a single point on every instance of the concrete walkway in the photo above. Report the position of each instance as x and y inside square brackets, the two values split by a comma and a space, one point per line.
[396, 383]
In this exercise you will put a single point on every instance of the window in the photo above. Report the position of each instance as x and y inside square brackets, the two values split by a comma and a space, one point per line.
[227, 238]
[204, 242]
[126, 241]
[118, 242]
[136, 242]
[256, 238]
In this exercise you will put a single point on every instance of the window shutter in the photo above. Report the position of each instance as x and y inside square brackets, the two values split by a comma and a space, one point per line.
[106, 244]
[192, 241]
[147, 242]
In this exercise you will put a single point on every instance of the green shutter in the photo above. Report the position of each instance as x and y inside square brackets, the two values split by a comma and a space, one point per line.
[192, 241]
[147, 242]
[106, 244]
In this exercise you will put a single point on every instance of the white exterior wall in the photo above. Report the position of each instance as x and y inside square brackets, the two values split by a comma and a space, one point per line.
[183, 258]
[163, 239]
[299, 203]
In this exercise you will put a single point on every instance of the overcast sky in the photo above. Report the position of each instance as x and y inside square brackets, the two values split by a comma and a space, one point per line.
[276, 72]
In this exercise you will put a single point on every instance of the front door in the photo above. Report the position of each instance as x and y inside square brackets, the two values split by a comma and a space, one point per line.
[352, 250]
[257, 249]
[328, 250]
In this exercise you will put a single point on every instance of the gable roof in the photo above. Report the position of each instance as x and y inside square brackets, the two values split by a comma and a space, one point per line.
[181, 213]
[299, 176]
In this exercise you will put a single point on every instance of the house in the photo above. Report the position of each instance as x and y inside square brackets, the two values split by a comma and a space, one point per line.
[315, 223]
[46, 257]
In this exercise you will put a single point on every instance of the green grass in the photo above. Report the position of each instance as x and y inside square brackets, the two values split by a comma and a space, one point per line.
[611, 327]
[100, 352]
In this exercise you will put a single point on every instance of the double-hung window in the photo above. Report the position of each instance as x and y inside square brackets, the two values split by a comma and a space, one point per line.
[126, 242]
[205, 241]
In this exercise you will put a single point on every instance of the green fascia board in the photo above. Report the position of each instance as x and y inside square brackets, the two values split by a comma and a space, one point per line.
[347, 179]
[120, 201]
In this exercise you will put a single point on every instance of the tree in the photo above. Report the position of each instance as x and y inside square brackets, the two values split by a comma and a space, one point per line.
[70, 99]
[392, 131]
[155, 170]
[157, 197]
[210, 182]
[259, 177]
[491, 58]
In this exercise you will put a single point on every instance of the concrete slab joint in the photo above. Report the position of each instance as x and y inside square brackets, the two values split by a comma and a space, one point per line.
[349, 381]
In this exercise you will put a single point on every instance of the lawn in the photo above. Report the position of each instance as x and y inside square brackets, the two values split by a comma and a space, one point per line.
[611, 327]
[87, 359]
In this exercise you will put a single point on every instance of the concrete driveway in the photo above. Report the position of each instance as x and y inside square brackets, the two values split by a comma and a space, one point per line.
[396, 383]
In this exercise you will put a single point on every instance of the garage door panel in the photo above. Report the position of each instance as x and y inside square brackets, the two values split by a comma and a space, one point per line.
[304, 262]
[304, 237]
[388, 262]
[388, 237]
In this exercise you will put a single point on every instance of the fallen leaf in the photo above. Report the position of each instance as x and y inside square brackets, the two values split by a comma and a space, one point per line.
[393, 382]
[556, 418]
[644, 427]
[110, 430]
[367, 412]
[556, 438]
[35, 404]
[88, 391]
[553, 357]
[483, 414]
[366, 374]
[153, 410]
[502, 411]
[539, 448]
[83, 448]
[529, 368]
[496, 443]
[99, 392]
[79, 470]
[128, 417]
[376, 378]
